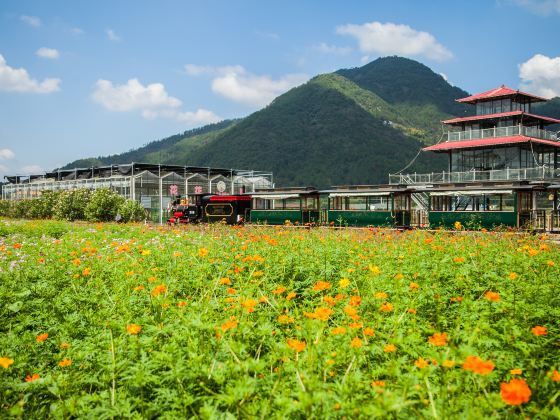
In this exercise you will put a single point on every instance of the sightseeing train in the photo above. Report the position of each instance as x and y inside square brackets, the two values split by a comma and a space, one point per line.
[508, 205]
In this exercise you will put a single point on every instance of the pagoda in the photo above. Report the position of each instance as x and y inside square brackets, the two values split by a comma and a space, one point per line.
[504, 134]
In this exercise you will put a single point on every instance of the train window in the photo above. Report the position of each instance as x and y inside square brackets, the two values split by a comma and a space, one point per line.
[290, 204]
[310, 203]
[219, 209]
[260, 204]
[378, 203]
[357, 203]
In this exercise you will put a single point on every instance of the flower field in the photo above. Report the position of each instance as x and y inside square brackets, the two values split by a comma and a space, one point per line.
[106, 320]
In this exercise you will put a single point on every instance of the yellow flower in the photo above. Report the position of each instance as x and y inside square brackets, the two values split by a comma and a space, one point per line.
[6, 362]
[146, 252]
[390, 348]
[202, 252]
[512, 275]
[344, 282]
[356, 342]
[515, 372]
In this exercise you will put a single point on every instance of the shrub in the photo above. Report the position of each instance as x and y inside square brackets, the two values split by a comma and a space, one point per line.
[103, 205]
[131, 211]
[71, 205]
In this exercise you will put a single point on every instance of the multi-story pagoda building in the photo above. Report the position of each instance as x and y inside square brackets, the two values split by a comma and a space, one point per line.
[503, 165]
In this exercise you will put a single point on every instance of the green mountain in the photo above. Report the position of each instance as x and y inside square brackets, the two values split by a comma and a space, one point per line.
[354, 126]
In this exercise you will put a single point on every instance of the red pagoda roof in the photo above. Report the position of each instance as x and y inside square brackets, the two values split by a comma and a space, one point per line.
[500, 115]
[495, 141]
[499, 92]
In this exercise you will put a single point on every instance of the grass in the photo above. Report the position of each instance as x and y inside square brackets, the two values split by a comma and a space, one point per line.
[216, 321]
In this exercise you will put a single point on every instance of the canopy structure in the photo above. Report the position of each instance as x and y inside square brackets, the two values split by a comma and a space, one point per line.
[361, 194]
[495, 141]
[546, 120]
[469, 193]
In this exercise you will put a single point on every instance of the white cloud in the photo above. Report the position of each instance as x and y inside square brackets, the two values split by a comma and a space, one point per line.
[237, 84]
[31, 20]
[391, 38]
[45, 52]
[18, 80]
[199, 117]
[77, 31]
[7, 154]
[541, 7]
[333, 49]
[4, 169]
[112, 35]
[364, 59]
[541, 75]
[32, 170]
[152, 101]
[133, 96]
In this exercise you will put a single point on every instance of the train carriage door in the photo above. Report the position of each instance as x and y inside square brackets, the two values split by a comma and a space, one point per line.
[401, 208]
[524, 208]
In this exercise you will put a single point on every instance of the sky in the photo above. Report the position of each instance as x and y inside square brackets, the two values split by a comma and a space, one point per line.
[90, 78]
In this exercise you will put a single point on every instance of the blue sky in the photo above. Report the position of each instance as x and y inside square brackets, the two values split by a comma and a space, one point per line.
[80, 79]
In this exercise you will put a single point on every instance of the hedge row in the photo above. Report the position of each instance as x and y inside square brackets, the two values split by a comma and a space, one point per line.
[95, 206]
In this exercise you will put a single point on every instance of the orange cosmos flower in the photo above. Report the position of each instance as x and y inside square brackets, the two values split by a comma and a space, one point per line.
[532, 252]
[477, 365]
[555, 376]
[368, 332]
[352, 312]
[225, 280]
[512, 275]
[459, 260]
[6, 362]
[550, 263]
[330, 300]
[320, 313]
[515, 392]
[456, 299]
[65, 362]
[539, 330]
[355, 300]
[249, 305]
[338, 330]
[438, 339]
[421, 363]
[356, 342]
[230, 324]
[31, 378]
[42, 337]
[390, 348]
[321, 285]
[159, 289]
[86, 271]
[492, 296]
[381, 295]
[202, 252]
[515, 372]
[377, 384]
[291, 295]
[138, 288]
[17, 246]
[65, 346]
[411, 311]
[296, 345]
[133, 329]
[386, 307]
[413, 286]
[181, 304]
[76, 262]
[279, 290]
[355, 325]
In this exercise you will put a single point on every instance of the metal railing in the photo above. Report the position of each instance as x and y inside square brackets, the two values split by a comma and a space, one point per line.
[542, 172]
[516, 130]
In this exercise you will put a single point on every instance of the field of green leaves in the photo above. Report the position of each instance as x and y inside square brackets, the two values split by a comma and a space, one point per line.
[107, 320]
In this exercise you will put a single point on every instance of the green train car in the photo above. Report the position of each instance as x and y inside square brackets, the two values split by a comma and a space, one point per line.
[297, 206]
[361, 207]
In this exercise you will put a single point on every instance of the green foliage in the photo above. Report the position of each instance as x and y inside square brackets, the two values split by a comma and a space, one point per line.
[71, 204]
[131, 211]
[103, 205]
[209, 349]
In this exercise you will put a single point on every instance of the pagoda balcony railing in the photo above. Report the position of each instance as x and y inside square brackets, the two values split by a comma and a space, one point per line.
[516, 130]
[540, 173]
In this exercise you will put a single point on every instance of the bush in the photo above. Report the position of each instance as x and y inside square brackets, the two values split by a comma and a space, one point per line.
[103, 205]
[131, 211]
[71, 205]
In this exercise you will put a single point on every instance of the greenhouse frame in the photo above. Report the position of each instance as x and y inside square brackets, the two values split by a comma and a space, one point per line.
[152, 185]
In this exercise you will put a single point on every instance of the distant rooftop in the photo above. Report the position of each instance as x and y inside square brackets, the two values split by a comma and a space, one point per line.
[498, 93]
